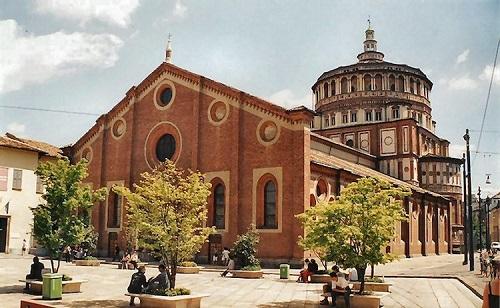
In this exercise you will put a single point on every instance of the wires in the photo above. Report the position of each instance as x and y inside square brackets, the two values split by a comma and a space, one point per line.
[50, 110]
[487, 99]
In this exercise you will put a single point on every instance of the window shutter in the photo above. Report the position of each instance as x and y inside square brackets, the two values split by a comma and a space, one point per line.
[17, 181]
[3, 178]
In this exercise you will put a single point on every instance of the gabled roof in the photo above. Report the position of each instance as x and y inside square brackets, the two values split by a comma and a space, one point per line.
[324, 159]
[14, 142]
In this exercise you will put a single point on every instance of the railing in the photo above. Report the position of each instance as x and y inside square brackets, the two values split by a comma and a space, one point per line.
[373, 94]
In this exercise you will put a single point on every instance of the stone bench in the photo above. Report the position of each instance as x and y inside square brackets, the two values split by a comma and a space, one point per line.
[181, 301]
[372, 286]
[246, 274]
[129, 265]
[320, 278]
[69, 286]
[361, 301]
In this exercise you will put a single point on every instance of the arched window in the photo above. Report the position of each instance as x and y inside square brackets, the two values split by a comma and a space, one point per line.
[343, 85]
[412, 86]
[354, 84]
[326, 91]
[321, 189]
[114, 210]
[334, 88]
[378, 82]
[401, 84]
[270, 221]
[419, 90]
[219, 206]
[367, 80]
[392, 83]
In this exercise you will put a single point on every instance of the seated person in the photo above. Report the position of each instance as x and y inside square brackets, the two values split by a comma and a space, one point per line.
[125, 260]
[137, 283]
[160, 281]
[304, 268]
[230, 265]
[312, 268]
[35, 272]
[341, 287]
[327, 288]
[134, 259]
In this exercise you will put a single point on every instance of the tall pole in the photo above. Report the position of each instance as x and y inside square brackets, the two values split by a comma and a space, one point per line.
[480, 217]
[469, 203]
[488, 238]
[464, 222]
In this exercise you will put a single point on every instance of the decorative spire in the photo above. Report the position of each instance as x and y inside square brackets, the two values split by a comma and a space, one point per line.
[168, 51]
[369, 23]
[370, 53]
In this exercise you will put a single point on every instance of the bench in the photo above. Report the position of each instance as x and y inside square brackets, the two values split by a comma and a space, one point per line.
[69, 286]
[361, 301]
[320, 278]
[181, 301]
[129, 265]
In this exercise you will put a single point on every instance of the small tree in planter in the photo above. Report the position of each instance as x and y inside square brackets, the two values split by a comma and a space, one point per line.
[245, 249]
[355, 228]
[167, 210]
[65, 217]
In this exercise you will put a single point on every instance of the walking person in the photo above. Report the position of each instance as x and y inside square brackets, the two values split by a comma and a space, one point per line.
[225, 256]
[230, 265]
[24, 248]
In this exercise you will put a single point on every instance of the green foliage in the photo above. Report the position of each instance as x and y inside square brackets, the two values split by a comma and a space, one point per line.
[89, 258]
[170, 292]
[188, 264]
[253, 267]
[166, 212]
[245, 249]
[64, 219]
[374, 279]
[354, 229]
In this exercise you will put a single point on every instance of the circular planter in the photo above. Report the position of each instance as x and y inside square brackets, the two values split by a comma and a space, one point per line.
[247, 274]
[373, 286]
[181, 301]
[188, 269]
[322, 278]
[87, 263]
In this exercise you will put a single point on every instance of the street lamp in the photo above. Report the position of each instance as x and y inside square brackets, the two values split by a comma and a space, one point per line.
[469, 202]
[480, 217]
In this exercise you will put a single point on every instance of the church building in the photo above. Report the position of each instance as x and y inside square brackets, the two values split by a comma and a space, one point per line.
[268, 164]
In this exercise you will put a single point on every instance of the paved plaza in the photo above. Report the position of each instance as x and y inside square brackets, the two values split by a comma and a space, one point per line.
[107, 285]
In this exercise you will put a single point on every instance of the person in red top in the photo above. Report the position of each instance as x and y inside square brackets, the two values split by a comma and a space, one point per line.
[491, 294]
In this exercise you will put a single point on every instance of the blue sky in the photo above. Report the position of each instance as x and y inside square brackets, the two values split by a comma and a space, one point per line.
[83, 55]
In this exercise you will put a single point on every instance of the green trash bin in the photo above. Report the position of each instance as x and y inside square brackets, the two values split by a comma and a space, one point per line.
[52, 286]
[284, 271]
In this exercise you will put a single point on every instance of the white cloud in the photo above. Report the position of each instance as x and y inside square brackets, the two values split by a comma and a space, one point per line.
[463, 56]
[486, 74]
[462, 83]
[16, 128]
[115, 12]
[180, 9]
[287, 99]
[29, 59]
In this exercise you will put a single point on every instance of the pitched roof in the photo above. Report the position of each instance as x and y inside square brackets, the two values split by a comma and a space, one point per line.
[360, 170]
[12, 141]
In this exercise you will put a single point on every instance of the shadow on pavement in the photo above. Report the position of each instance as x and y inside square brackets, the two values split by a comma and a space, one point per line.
[12, 289]
[295, 303]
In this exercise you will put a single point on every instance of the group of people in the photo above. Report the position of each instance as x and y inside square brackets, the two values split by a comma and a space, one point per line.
[130, 260]
[337, 286]
[75, 253]
[489, 262]
[490, 266]
[139, 284]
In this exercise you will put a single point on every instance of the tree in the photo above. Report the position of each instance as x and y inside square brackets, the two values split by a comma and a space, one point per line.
[354, 229]
[245, 249]
[166, 212]
[64, 218]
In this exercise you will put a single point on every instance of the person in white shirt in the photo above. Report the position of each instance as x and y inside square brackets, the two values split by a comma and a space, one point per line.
[230, 266]
[225, 256]
[353, 274]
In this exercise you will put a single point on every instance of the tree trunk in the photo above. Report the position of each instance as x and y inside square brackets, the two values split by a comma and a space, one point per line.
[52, 263]
[58, 263]
[361, 276]
[372, 270]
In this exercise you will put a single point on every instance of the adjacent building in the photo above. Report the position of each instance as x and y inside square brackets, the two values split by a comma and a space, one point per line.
[268, 164]
[20, 188]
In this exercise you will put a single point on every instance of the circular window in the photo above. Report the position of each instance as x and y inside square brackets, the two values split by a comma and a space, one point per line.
[350, 143]
[388, 140]
[87, 154]
[267, 132]
[165, 148]
[407, 169]
[217, 112]
[165, 97]
[364, 144]
[118, 128]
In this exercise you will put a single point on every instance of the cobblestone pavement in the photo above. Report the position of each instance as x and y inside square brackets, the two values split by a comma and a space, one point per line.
[107, 284]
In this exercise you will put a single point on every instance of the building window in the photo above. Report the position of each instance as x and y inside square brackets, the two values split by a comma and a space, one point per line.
[395, 112]
[165, 97]
[39, 185]
[4, 172]
[354, 117]
[332, 122]
[219, 206]
[334, 85]
[165, 148]
[420, 118]
[367, 80]
[326, 92]
[114, 210]
[378, 115]
[270, 205]
[350, 143]
[345, 118]
[343, 85]
[327, 122]
[17, 181]
[368, 115]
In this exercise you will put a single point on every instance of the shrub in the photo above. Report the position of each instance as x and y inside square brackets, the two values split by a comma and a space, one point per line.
[245, 249]
[374, 279]
[66, 278]
[89, 258]
[170, 292]
[255, 267]
[188, 264]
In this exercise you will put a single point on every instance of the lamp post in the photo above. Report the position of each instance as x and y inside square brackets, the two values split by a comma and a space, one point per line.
[469, 202]
[480, 218]
[464, 223]
[487, 203]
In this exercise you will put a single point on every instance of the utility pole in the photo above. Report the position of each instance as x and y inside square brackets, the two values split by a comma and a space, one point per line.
[480, 217]
[464, 222]
[469, 202]
[488, 238]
